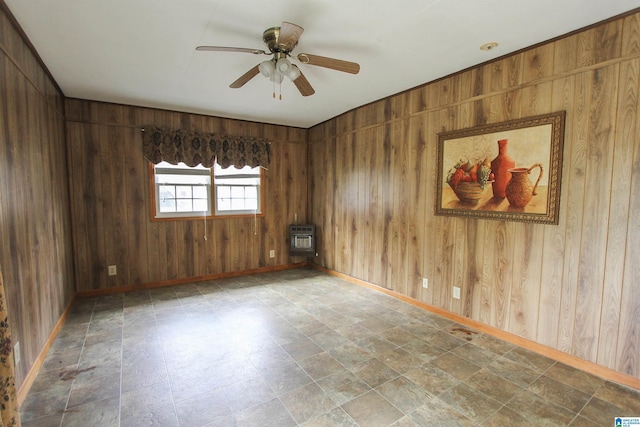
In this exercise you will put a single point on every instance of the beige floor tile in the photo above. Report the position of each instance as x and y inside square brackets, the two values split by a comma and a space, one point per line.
[372, 410]
[298, 347]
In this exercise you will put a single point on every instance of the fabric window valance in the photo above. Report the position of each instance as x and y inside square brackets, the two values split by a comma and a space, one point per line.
[194, 148]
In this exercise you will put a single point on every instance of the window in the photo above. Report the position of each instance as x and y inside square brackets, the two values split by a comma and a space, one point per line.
[237, 190]
[181, 191]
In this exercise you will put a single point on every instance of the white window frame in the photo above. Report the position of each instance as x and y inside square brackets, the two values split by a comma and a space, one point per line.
[230, 177]
[234, 175]
[162, 173]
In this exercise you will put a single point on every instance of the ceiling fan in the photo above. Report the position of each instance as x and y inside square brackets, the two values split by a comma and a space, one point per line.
[281, 41]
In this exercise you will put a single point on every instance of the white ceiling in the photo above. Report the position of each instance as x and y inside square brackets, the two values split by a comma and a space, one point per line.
[142, 52]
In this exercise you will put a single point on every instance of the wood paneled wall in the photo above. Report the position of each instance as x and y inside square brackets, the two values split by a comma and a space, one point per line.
[110, 201]
[35, 227]
[574, 287]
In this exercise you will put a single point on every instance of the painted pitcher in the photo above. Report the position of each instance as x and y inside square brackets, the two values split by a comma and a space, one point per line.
[519, 190]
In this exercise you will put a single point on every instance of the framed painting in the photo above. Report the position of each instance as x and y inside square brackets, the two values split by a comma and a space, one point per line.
[505, 171]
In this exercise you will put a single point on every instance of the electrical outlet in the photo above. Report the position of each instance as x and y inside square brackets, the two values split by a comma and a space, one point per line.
[112, 270]
[16, 353]
[272, 253]
[456, 292]
[425, 283]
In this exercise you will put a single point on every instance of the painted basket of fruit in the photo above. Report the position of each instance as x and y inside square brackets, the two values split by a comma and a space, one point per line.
[468, 180]
[469, 192]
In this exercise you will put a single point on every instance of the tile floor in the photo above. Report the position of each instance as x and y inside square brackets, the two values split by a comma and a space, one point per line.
[298, 347]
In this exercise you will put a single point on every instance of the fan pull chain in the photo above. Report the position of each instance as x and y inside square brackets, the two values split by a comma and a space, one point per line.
[204, 218]
[255, 222]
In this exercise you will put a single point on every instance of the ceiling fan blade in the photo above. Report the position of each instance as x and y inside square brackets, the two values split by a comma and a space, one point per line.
[231, 49]
[245, 78]
[332, 63]
[289, 35]
[303, 85]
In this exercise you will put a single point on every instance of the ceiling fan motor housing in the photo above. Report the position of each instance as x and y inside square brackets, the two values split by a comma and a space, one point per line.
[271, 38]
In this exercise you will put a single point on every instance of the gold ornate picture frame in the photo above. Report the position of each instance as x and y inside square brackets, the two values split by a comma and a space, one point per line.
[505, 171]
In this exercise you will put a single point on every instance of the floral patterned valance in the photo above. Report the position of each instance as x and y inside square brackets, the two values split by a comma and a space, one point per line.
[194, 148]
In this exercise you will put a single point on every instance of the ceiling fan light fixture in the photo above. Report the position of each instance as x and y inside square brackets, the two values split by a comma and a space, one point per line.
[267, 68]
[283, 65]
[281, 41]
[294, 72]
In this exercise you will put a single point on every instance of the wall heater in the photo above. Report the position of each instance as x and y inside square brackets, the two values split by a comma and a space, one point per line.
[302, 240]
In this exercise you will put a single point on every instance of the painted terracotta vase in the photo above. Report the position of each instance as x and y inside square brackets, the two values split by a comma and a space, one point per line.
[500, 167]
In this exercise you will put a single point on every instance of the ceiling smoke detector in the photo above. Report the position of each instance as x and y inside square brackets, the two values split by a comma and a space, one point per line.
[489, 46]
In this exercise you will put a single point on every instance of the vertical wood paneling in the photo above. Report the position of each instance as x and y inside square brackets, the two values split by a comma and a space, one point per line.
[431, 127]
[361, 150]
[95, 200]
[527, 283]
[375, 208]
[386, 215]
[574, 180]
[608, 40]
[340, 225]
[399, 205]
[352, 232]
[631, 35]
[417, 177]
[137, 211]
[566, 55]
[35, 232]
[600, 145]
[554, 237]
[503, 263]
[472, 293]
[112, 194]
[525, 288]
[628, 347]
[618, 212]
[585, 47]
[538, 62]
[569, 286]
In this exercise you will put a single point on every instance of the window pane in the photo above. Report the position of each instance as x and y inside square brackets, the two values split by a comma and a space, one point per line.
[224, 192]
[200, 192]
[200, 205]
[224, 204]
[237, 192]
[251, 204]
[251, 192]
[168, 205]
[166, 195]
[167, 191]
[185, 205]
[183, 191]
